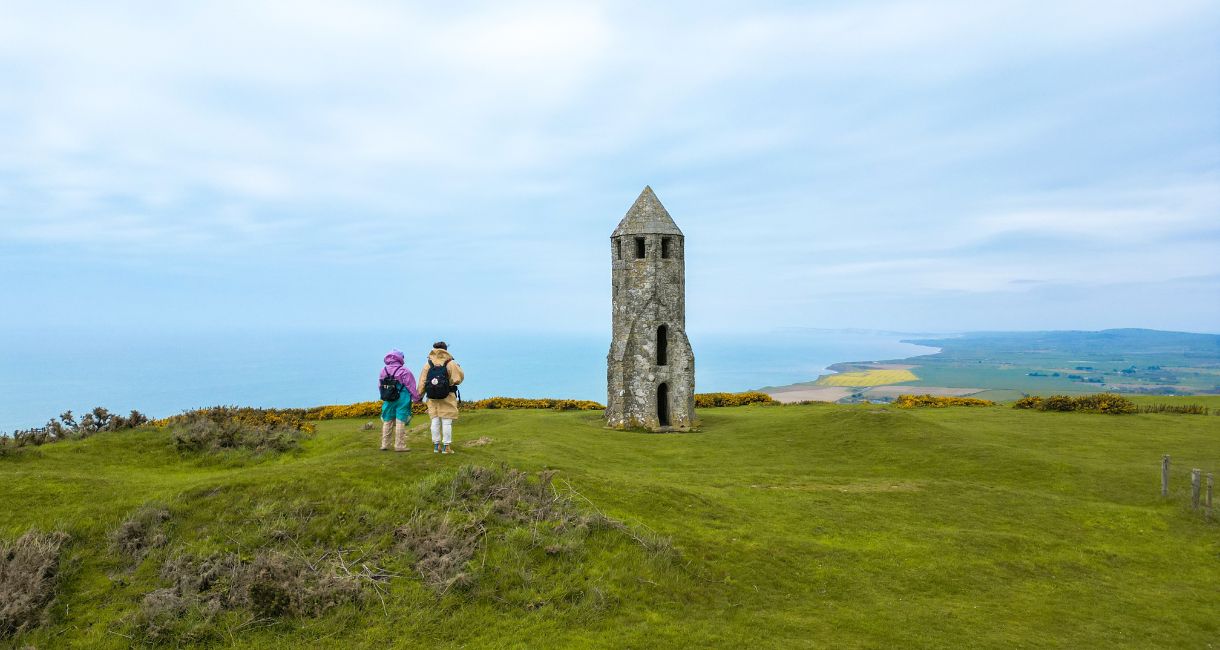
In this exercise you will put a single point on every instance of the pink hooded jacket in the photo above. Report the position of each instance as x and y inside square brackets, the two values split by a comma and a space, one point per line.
[394, 368]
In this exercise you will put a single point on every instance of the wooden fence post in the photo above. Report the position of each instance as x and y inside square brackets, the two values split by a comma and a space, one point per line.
[1165, 475]
[1209, 493]
[1194, 488]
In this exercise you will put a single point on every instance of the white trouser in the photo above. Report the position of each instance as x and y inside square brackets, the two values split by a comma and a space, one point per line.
[439, 425]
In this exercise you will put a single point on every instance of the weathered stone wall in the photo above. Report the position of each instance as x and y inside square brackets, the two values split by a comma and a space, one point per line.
[648, 293]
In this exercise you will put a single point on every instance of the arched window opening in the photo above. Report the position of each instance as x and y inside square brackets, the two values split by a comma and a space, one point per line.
[663, 345]
[663, 405]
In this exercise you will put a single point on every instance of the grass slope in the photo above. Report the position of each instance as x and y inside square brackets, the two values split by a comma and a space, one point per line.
[800, 526]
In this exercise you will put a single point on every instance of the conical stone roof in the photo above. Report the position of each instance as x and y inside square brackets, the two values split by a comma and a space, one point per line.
[647, 217]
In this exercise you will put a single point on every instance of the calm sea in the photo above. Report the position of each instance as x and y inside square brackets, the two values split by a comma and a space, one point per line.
[44, 373]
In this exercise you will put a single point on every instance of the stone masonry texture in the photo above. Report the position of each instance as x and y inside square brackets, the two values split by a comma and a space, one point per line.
[651, 368]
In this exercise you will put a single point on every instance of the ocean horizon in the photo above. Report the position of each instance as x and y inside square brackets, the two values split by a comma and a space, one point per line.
[43, 374]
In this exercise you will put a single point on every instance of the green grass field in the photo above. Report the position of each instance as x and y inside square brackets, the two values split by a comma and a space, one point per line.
[867, 378]
[847, 526]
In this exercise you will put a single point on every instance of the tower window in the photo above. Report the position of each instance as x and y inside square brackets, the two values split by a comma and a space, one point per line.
[639, 248]
[667, 247]
[618, 248]
[663, 345]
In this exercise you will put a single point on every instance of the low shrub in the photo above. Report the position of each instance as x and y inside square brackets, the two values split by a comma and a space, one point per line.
[66, 427]
[1181, 409]
[29, 573]
[715, 400]
[934, 401]
[534, 403]
[1096, 403]
[373, 409]
[291, 418]
[224, 428]
[577, 405]
[1058, 403]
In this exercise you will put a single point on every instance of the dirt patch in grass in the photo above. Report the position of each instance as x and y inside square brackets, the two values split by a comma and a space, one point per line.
[29, 572]
[482, 441]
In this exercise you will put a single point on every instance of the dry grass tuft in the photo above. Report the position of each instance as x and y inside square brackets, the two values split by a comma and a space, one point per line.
[29, 569]
[441, 549]
[271, 585]
[141, 532]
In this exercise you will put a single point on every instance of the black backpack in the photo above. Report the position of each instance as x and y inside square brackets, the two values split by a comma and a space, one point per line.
[437, 386]
[390, 388]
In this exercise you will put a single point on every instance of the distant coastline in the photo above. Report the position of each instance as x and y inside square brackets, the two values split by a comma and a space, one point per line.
[165, 373]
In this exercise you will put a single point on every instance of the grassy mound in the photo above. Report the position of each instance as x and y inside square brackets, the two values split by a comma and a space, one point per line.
[827, 525]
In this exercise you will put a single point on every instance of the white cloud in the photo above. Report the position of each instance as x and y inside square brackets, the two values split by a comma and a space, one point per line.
[879, 144]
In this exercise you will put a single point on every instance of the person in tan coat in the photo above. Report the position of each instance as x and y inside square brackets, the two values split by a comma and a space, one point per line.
[441, 375]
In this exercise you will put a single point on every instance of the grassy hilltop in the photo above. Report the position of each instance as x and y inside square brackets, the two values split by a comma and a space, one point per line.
[794, 526]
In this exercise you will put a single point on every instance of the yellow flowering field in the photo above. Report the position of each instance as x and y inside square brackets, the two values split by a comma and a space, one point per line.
[868, 378]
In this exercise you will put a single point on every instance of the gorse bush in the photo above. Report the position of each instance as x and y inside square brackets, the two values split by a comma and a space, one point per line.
[1096, 403]
[714, 400]
[1105, 403]
[357, 410]
[933, 401]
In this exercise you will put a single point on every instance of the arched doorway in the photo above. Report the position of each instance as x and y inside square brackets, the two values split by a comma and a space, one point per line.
[663, 405]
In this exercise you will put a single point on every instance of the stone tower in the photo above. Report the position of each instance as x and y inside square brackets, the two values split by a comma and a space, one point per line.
[650, 368]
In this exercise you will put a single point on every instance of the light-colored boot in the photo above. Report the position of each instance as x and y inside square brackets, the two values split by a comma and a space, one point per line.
[400, 436]
[386, 428]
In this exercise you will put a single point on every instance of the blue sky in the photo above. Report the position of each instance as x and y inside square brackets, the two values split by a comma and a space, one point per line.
[912, 166]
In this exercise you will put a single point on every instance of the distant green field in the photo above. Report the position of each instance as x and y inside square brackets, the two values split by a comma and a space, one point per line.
[858, 526]
[1126, 361]
[868, 377]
